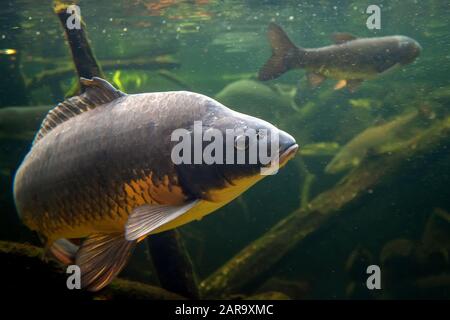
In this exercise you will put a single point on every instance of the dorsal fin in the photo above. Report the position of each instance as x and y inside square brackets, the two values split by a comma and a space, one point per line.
[97, 92]
[341, 37]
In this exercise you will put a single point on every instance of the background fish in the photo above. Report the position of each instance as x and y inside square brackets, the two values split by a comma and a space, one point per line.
[100, 168]
[351, 60]
[372, 139]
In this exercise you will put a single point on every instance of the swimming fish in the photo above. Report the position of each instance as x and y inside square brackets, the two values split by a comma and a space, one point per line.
[100, 168]
[350, 60]
[373, 139]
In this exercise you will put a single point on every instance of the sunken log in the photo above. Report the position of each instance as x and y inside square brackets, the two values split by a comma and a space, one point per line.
[251, 264]
[172, 263]
[25, 273]
[82, 55]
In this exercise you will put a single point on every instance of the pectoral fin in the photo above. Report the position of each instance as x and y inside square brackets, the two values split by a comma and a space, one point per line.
[352, 84]
[101, 257]
[340, 84]
[315, 79]
[147, 218]
[64, 251]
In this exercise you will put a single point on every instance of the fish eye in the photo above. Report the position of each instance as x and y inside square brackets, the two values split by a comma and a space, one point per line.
[241, 142]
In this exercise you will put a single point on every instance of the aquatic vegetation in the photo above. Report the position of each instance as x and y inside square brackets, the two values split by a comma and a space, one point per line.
[130, 80]
[319, 149]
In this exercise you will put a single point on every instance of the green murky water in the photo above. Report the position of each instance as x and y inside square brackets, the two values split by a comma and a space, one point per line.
[393, 214]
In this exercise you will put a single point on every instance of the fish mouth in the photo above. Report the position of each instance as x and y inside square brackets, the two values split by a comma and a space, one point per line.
[288, 154]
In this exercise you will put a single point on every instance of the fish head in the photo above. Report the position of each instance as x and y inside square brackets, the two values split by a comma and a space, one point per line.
[408, 50]
[238, 150]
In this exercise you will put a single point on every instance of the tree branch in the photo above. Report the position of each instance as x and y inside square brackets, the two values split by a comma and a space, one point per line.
[35, 274]
[252, 262]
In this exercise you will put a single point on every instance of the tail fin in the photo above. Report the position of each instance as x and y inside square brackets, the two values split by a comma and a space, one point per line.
[283, 51]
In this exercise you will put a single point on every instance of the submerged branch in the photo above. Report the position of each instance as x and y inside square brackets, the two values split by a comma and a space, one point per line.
[259, 257]
[37, 274]
[150, 63]
[173, 264]
[82, 55]
[86, 64]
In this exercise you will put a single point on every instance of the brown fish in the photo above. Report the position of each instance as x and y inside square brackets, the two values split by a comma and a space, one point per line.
[351, 60]
[101, 168]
